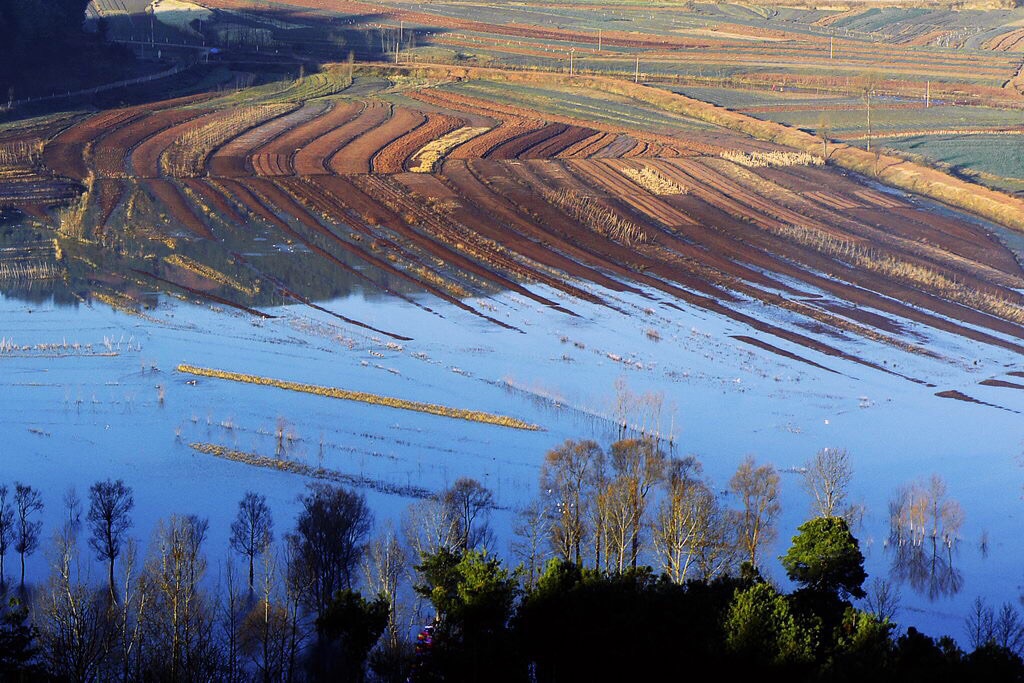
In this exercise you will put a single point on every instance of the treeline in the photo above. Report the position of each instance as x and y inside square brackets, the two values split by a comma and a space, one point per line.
[627, 564]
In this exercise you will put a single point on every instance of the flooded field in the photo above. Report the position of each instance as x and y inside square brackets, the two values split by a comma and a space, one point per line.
[89, 392]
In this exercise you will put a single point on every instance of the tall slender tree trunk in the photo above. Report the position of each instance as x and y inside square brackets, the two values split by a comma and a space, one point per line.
[113, 595]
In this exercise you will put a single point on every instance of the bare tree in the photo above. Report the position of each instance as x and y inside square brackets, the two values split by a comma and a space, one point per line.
[883, 599]
[827, 479]
[384, 565]
[619, 501]
[639, 464]
[6, 530]
[531, 530]
[678, 523]
[180, 620]
[269, 634]
[758, 492]
[76, 635]
[330, 535]
[252, 532]
[130, 614]
[428, 526]
[470, 503]
[110, 503]
[565, 480]
[980, 624]
[925, 510]
[27, 503]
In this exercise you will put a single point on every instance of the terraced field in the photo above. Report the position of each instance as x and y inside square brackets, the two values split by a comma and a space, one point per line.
[543, 191]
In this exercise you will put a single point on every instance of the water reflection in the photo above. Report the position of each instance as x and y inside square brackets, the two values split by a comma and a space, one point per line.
[926, 566]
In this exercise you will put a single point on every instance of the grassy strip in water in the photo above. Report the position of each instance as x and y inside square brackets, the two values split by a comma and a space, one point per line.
[364, 397]
[310, 471]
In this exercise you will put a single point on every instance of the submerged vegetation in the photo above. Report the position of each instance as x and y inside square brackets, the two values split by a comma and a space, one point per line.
[363, 397]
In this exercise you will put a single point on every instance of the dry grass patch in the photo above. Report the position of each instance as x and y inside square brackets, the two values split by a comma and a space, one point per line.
[653, 181]
[597, 218]
[363, 397]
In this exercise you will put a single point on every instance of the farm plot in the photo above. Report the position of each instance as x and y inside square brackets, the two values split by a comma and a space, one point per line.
[542, 199]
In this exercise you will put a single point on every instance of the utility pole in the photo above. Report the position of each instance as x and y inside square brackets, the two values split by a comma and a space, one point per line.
[599, 40]
[636, 74]
[572, 51]
[928, 94]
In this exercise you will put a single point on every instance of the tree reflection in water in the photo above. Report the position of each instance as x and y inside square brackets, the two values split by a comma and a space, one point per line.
[924, 530]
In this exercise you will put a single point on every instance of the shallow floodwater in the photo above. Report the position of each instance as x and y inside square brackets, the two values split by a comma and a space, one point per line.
[89, 393]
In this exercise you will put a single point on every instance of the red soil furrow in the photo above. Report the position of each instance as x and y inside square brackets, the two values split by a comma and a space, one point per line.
[169, 196]
[348, 200]
[480, 146]
[618, 147]
[463, 247]
[110, 155]
[333, 115]
[249, 203]
[382, 264]
[254, 203]
[144, 160]
[554, 146]
[960, 238]
[314, 142]
[232, 157]
[484, 206]
[523, 185]
[916, 241]
[606, 176]
[865, 284]
[65, 154]
[640, 149]
[713, 303]
[214, 198]
[396, 157]
[579, 149]
[514, 147]
[357, 156]
[333, 143]
[273, 157]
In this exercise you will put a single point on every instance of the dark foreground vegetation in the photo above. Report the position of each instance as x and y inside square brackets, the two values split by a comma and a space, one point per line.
[628, 565]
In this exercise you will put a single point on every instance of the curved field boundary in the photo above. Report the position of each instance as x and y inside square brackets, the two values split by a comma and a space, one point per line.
[585, 147]
[65, 153]
[557, 144]
[987, 203]
[363, 397]
[426, 159]
[324, 150]
[358, 155]
[518, 146]
[500, 111]
[269, 158]
[111, 154]
[480, 146]
[144, 160]
[318, 138]
[397, 156]
[494, 210]
[231, 157]
[169, 196]
[291, 144]
[608, 176]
